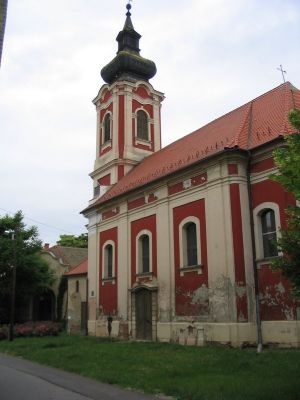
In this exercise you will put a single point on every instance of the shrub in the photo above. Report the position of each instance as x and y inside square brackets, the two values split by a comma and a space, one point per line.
[47, 329]
[23, 330]
[3, 332]
[44, 328]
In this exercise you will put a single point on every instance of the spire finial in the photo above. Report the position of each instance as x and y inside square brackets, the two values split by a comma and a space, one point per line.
[128, 63]
[128, 6]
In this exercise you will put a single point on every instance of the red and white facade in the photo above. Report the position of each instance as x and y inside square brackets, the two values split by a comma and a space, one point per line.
[122, 149]
[177, 234]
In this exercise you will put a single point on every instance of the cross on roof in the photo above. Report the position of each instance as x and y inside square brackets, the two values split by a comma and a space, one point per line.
[282, 72]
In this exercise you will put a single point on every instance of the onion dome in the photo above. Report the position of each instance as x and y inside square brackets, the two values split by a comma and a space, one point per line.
[128, 63]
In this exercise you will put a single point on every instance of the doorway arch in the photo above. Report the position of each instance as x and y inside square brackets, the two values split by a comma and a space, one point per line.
[144, 313]
[44, 306]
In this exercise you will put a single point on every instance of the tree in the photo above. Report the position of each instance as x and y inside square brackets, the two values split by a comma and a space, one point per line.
[73, 241]
[19, 247]
[287, 160]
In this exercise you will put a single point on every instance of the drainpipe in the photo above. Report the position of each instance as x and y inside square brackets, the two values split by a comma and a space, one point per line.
[254, 264]
[87, 306]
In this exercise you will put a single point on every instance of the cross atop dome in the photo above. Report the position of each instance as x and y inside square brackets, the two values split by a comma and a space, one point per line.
[128, 63]
[128, 23]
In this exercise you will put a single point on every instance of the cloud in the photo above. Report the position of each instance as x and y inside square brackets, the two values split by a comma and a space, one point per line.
[212, 56]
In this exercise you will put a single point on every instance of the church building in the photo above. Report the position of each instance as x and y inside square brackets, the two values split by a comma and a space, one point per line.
[181, 238]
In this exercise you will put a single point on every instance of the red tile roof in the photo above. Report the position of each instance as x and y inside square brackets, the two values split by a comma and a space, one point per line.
[69, 256]
[80, 269]
[247, 127]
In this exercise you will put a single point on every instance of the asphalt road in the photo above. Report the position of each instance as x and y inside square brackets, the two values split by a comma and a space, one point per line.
[24, 380]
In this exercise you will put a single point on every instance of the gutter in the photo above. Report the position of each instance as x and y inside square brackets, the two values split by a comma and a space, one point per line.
[254, 264]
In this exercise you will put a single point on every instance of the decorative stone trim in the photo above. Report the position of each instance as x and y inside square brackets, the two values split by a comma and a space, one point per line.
[111, 280]
[192, 268]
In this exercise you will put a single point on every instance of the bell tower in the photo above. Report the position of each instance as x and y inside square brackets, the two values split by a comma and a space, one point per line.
[128, 112]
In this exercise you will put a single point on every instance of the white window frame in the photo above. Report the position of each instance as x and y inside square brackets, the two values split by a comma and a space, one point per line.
[182, 243]
[137, 138]
[257, 212]
[138, 252]
[104, 264]
[103, 141]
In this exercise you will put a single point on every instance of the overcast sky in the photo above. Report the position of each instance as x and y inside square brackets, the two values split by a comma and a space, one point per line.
[211, 56]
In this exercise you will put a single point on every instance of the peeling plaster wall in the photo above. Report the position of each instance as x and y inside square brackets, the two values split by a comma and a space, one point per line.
[222, 304]
[210, 300]
[187, 281]
[276, 303]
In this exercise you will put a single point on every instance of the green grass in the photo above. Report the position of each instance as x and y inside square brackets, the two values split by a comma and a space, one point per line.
[187, 373]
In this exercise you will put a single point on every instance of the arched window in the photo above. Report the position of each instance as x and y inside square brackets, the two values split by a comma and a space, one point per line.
[106, 125]
[142, 125]
[190, 254]
[144, 254]
[108, 261]
[268, 230]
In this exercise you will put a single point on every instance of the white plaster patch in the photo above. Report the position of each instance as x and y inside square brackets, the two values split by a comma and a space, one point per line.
[187, 183]
[200, 295]
[240, 291]
[280, 288]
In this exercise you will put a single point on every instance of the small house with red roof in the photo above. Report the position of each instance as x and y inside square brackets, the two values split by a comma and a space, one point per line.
[52, 304]
[77, 295]
[181, 238]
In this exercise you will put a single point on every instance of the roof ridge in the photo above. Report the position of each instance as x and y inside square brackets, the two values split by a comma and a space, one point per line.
[236, 139]
[285, 120]
[230, 112]
[72, 270]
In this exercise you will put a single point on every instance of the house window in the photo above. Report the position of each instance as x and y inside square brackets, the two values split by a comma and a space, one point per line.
[108, 261]
[106, 126]
[266, 218]
[144, 254]
[142, 125]
[268, 231]
[77, 286]
[190, 244]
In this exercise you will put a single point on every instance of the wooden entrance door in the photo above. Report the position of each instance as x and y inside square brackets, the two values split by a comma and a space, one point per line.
[143, 312]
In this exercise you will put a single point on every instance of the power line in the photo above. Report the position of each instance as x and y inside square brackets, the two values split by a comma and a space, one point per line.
[39, 222]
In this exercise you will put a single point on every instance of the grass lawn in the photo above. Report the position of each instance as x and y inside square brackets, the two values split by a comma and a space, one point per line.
[187, 373]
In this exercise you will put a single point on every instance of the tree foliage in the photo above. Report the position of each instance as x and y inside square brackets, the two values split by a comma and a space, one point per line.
[287, 160]
[73, 241]
[19, 247]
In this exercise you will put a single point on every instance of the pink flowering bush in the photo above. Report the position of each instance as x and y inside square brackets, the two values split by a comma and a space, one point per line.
[23, 330]
[43, 328]
[47, 329]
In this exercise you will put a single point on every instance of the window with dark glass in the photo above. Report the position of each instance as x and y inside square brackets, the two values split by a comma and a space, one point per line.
[191, 244]
[144, 245]
[268, 229]
[108, 261]
[77, 286]
[106, 128]
[142, 125]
